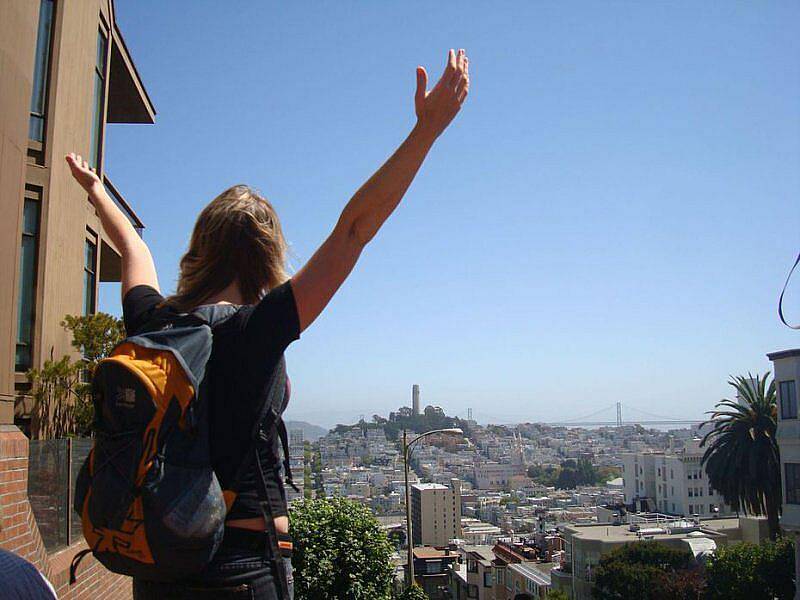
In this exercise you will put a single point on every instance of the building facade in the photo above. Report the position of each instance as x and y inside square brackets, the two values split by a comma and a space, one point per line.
[435, 513]
[671, 482]
[586, 544]
[66, 72]
[787, 381]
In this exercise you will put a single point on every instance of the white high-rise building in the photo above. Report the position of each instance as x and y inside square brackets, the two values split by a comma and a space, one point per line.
[415, 400]
[672, 483]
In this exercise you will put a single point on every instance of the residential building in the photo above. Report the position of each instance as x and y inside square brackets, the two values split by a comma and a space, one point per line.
[432, 571]
[671, 482]
[787, 381]
[473, 576]
[435, 513]
[66, 72]
[585, 544]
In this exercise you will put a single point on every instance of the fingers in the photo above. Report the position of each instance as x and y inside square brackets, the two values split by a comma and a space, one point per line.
[462, 89]
[422, 84]
[450, 68]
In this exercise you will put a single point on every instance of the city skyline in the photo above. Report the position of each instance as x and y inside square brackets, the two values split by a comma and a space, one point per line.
[584, 234]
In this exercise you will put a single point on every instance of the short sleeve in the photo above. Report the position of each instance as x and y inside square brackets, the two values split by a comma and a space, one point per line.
[138, 306]
[273, 323]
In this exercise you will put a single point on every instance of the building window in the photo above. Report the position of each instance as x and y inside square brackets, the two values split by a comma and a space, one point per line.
[792, 471]
[89, 276]
[691, 492]
[41, 67]
[788, 399]
[487, 579]
[28, 267]
[99, 99]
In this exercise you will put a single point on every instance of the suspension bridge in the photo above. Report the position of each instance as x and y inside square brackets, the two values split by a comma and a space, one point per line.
[640, 417]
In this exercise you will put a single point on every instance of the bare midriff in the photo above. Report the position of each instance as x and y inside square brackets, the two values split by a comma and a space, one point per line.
[258, 524]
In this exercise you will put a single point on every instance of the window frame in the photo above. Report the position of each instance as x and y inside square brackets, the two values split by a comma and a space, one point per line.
[33, 195]
[788, 412]
[100, 97]
[90, 274]
[41, 76]
[791, 494]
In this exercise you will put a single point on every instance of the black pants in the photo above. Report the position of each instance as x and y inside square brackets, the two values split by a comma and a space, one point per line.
[244, 567]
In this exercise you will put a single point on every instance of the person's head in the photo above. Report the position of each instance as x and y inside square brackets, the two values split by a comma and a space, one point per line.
[237, 239]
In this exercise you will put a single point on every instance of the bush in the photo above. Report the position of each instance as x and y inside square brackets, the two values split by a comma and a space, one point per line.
[647, 571]
[412, 593]
[752, 572]
[340, 552]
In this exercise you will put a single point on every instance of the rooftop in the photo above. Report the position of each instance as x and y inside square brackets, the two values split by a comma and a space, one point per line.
[430, 486]
[660, 531]
[536, 572]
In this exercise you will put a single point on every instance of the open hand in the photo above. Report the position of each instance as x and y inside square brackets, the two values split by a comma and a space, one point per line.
[437, 108]
[82, 172]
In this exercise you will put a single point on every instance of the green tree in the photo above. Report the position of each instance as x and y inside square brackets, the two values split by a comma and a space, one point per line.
[61, 392]
[340, 552]
[742, 459]
[94, 336]
[557, 595]
[752, 572]
[412, 593]
[59, 395]
[647, 571]
[544, 475]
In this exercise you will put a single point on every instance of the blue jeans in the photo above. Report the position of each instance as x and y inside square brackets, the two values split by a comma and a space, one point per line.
[235, 573]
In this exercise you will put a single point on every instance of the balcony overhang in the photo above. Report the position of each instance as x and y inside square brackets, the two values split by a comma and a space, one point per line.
[128, 101]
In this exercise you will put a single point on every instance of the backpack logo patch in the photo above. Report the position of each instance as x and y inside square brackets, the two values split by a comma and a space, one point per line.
[126, 398]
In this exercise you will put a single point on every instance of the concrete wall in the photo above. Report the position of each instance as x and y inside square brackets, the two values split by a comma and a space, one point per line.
[18, 23]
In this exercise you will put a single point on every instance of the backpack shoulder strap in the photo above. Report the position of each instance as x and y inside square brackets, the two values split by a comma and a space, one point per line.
[287, 467]
[266, 416]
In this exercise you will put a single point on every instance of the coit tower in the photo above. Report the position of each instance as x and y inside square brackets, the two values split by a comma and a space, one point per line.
[415, 399]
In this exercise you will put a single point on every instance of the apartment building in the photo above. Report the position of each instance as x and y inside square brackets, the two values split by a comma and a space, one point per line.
[432, 571]
[65, 72]
[435, 513]
[786, 366]
[671, 482]
[508, 570]
[297, 463]
[585, 544]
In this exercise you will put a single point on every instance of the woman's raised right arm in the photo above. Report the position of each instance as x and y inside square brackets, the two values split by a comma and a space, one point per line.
[137, 262]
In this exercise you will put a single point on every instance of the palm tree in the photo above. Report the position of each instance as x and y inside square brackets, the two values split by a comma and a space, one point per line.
[742, 460]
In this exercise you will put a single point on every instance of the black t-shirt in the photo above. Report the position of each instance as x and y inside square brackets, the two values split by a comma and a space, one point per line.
[246, 351]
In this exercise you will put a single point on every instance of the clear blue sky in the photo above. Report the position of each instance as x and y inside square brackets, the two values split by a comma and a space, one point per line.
[610, 217]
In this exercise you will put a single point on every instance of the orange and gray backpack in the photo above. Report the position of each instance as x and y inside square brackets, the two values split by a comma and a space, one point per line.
[149, 500]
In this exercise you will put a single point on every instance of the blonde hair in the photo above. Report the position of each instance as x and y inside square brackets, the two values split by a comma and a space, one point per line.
[237, 237]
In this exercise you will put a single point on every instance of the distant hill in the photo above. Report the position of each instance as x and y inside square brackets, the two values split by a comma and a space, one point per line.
[310, 432]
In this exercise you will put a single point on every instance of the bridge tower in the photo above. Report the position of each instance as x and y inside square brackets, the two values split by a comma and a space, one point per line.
[619, 414]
